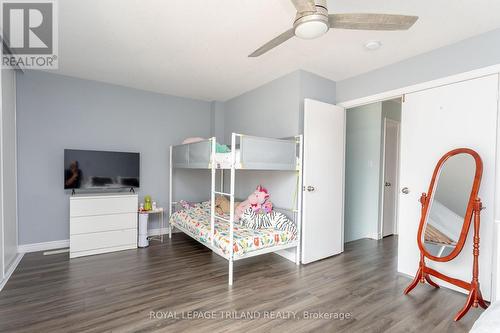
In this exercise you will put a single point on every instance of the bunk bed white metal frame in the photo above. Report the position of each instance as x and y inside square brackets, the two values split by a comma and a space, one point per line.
[296, 211]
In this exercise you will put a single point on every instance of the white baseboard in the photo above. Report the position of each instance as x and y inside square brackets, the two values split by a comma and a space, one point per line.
[373, 236]
[44, 246]
[11, 270]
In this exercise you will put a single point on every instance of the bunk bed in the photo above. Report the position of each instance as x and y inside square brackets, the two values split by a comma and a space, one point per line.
[221, 233]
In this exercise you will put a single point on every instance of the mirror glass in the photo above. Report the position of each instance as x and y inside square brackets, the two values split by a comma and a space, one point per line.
[448, 205]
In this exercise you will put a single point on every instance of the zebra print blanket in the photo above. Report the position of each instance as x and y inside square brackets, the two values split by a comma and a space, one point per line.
[274, 219]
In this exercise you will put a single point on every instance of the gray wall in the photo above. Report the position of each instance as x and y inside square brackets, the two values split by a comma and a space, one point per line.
[8, 159]
[362, 174]
[217, 124]
[473, 53]
[57, 112]
[276, 109]
[270, 110]
[314, 87]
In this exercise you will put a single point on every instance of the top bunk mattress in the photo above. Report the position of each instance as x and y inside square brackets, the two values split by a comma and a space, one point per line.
[196, 221]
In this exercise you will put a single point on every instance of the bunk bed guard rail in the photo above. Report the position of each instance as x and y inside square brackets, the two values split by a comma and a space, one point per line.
[251, 152]
[267, 153]
[192, 155]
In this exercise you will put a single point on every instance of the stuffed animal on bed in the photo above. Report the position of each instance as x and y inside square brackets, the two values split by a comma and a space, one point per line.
[258, 201]
[222, 205]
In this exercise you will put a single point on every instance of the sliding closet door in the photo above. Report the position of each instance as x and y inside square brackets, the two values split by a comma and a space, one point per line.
[434, 122]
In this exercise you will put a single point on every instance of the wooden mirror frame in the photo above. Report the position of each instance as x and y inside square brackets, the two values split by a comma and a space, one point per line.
[426, 201]
[474, 208]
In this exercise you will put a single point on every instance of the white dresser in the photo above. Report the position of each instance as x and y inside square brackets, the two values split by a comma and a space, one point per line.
[102, 223]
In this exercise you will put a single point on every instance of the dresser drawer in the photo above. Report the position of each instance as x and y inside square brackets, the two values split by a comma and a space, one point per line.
[103, 240]
[89, 224]
[103, 205]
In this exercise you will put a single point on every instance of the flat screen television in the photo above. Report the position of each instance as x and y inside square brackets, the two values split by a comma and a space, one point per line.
[94, 170]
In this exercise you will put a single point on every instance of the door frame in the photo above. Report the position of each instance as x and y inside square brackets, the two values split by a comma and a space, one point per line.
[447, 80]
[382, 182]
[400, 92]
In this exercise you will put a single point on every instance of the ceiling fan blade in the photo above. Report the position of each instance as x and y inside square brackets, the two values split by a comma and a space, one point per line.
[273, 43]
[304, 6]
[371, 21]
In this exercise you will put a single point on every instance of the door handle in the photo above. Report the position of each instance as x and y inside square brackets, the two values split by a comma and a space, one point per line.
[310, 189]
[405, 190]
[387, 184]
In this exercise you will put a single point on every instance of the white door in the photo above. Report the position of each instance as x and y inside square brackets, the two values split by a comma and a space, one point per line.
[323, 202]
[434, 122]
[391, 147]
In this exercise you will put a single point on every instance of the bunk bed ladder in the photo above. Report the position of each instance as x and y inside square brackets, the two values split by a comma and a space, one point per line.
[231, 206]
[214, 193]
[213, 143]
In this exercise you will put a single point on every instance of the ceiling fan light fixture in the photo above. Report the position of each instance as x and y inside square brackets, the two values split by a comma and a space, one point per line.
[313, 20]
[311, 29]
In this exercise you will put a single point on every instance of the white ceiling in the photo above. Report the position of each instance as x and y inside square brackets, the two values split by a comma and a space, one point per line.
[199, 48]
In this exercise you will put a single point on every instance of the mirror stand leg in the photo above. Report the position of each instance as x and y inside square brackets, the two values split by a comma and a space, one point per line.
[429, 281]
[421, 277]
[415, 281]
[474, 300]
[467, 306]
[480, 300]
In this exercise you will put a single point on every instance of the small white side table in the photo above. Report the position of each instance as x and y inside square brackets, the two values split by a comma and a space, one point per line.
[158, 211]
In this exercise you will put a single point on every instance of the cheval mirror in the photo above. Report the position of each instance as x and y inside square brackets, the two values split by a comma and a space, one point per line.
[447, 211]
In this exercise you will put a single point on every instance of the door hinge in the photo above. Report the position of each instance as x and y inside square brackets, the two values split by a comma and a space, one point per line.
[403, 99]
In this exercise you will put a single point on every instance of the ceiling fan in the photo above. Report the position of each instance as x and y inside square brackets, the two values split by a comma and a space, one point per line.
[312, 20]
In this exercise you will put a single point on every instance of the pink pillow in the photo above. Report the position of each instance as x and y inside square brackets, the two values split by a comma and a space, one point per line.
[193, 140]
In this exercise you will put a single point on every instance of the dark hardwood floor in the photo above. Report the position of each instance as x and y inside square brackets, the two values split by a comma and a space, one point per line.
[117, 292]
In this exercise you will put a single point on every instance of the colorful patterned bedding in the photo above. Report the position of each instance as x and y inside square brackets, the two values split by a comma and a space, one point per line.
[196, 220]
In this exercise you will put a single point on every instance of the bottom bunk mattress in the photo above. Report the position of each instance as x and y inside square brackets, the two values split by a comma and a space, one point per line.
[196, 220]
